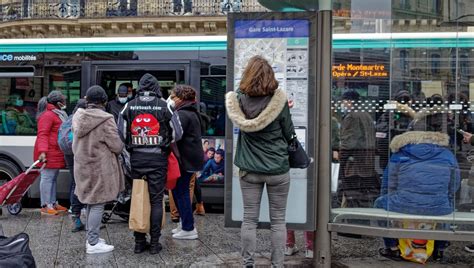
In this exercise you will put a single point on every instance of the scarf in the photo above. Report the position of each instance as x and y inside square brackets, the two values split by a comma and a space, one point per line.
[184, 103]
[62, 114]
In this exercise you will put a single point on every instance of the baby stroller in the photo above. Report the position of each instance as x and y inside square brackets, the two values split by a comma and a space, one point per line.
[121, 207]
[13, 191]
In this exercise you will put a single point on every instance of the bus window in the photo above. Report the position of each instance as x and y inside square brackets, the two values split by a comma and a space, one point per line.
[67, 81]
[18, 99]
[111, 80]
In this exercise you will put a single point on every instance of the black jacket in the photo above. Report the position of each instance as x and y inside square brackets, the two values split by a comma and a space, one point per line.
[114, 107]
[145, 125]
[190, 144]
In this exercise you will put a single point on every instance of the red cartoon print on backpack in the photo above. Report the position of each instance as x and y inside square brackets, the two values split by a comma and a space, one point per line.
[145, 129]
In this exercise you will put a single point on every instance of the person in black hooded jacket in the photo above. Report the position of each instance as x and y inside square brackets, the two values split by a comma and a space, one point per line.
[145, 125]
[183, 99]
[115, 106]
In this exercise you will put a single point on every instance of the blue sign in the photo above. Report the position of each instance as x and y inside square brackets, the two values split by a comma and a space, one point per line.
[271, 28]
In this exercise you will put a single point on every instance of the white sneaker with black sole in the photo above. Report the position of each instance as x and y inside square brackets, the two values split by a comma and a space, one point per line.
[187, 235]
[98, 248]
[469, 248]
[177, 229]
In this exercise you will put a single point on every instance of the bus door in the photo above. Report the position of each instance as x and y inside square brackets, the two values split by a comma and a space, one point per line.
[110, 74]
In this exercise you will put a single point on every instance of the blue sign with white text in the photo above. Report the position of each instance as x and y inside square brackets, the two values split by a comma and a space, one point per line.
[271, 28]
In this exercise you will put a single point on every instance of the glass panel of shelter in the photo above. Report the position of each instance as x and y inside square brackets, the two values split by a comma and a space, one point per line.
[417, 107]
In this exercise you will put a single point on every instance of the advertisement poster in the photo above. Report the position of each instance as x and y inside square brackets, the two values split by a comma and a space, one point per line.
[285, 44]
[214, 163]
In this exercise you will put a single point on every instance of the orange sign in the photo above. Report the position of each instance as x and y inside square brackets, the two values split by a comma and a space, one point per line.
[349, 70]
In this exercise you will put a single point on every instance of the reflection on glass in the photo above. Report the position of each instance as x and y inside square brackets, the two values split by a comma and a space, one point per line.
[359, 183]
[18, 98]
[212, 103]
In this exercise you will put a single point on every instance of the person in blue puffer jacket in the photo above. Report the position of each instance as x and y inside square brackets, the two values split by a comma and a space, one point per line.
[422, 177]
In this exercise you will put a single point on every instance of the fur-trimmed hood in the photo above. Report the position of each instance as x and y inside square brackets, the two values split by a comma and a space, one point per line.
[265, 118]
[419, 137]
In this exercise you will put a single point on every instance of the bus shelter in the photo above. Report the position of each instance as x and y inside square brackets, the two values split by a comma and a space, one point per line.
[399, 167]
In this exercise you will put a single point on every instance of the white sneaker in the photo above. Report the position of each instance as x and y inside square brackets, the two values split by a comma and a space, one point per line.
[308, 254]
[189, 235]
[177, 229]
[469, 248]
[98, 248]
[289, 251]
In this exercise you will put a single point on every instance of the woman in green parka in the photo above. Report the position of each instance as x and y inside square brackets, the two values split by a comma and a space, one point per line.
[260, 110]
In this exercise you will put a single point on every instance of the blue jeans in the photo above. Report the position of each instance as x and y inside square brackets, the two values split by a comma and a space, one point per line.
[94, 219]
[48, 186]
[183, 202]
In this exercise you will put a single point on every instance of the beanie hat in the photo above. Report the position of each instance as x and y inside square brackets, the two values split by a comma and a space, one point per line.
[96, 94]
[123, 89]
[55, 96]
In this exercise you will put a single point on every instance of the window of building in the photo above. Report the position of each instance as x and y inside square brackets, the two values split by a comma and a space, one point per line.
[404, 62]
[453, 62]
[464, 65]
[435, 63]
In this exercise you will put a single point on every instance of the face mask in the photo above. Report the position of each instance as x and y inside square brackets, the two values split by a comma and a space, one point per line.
[170, 102]
[130, 96]
[62, 106]
[122, 100]
[19, 103]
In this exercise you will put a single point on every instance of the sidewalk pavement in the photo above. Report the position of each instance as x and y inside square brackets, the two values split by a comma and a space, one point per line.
[54, 245]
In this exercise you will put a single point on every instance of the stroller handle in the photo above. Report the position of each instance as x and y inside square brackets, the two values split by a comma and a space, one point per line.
[34, 165]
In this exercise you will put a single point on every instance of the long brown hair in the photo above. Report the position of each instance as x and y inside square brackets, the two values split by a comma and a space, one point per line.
[258, 78]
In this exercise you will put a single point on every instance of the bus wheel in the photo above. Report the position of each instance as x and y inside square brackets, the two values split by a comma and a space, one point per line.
[8, 171]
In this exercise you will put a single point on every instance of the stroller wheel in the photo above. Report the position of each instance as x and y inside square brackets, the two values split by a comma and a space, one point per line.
[14, 209]
[105, 218]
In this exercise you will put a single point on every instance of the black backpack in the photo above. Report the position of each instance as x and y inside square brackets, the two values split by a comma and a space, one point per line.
[15, 252]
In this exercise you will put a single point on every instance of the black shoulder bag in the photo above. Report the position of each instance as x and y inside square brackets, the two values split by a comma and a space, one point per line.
[297, 155]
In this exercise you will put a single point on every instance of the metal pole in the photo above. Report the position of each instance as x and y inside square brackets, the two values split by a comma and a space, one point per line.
[323, 127]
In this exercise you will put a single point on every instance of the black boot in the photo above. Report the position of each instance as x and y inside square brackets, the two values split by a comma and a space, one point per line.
[155, 246]
[140, 246]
